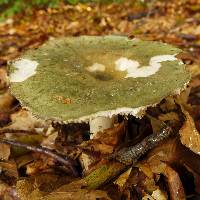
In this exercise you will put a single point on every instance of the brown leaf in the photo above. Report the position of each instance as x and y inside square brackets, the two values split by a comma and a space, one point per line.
[111, 136]
[24, 120]
[7, 192]
[156, 195]
[189, 135]
[174, 183]
[102, 143]
[24, 188]
[4, 151]
[173, 180]
[122, 179]
[9, 168]
[6, 101]
[169, 116]
[79, 194]
[105, 142]
[41, 162]
[3, 79]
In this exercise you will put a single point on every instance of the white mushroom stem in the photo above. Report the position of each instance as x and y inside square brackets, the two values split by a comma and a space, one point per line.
[99, 124]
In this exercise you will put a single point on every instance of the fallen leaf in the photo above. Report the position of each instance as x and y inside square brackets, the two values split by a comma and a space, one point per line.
[174, 183]
[121, 180]
[24, 120]
[159, 195]
[6, 101]
[4, 151]
[79, 194]
[169, 116]
[7, 192]
[189, 135]
[105, 142]
[156, 195]
[24, 188]
[40, 163]
[9, 168]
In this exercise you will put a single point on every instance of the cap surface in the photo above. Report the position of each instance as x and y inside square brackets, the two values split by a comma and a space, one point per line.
[77, 78]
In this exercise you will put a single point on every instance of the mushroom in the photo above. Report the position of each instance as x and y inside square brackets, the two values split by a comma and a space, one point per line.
[94, 78]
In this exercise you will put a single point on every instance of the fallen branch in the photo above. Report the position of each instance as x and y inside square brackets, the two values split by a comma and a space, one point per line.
[65, 161]
[130, 155]
[125, 157]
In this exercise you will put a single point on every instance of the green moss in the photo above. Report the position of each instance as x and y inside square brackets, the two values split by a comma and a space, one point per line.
[63, 89]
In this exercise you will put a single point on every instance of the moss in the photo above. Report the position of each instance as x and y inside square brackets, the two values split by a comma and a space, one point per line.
[63, 89]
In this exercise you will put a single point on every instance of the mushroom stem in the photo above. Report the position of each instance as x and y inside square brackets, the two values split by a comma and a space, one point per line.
[101, 123]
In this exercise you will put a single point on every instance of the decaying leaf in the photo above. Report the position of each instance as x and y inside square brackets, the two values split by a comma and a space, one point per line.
[159, 195]
[103, 173]
[189, 135]
[9, 168]
[6, 101]
[7, 192]
[121, 180]
[172, 178]
[23, 120]
[80, 194]
[40, 163]
[102, 143]
[4, 81]
[24, 189]
[174, 183]
[169, 116]
[35, 189]
[105, 142]
[49, 141]
[156, 195]
[4, 151]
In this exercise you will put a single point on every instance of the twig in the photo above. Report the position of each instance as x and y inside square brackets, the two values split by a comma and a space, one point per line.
[125, 157]
[130, 155]
[66, 161]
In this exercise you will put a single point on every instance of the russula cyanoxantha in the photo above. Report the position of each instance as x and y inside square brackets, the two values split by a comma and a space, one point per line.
[94, 78]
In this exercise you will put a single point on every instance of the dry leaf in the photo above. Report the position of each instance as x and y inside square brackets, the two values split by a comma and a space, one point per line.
[40, 163]
[24, 120]
[169, 116]
[24, 188]
[106, 141]
[4, 151]
[156, 195]
[3, 79]
[80, 194]
[174, 183]
[7, 192]
[6, 101]
[111, 136]
[189, 135]
[9, 168]
[121, 180]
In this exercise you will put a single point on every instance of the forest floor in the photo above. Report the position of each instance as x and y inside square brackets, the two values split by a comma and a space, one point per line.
[27, 176]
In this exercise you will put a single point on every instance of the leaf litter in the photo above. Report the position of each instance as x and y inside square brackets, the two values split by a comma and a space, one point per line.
[169, 170]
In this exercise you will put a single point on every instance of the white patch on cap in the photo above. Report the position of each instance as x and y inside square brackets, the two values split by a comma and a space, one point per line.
[25, 69]
[96, 67]
[133, 69]
[123, 64]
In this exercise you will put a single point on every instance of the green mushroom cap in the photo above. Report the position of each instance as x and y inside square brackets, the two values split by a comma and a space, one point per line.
[79, 78]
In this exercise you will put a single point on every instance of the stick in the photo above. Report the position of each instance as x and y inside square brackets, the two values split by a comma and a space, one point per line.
[65, 161]
[125, 157]
[130, 155]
